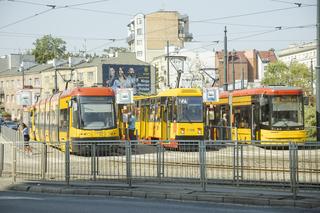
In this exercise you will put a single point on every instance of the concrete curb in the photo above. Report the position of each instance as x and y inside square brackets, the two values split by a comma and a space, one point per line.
[185, 196]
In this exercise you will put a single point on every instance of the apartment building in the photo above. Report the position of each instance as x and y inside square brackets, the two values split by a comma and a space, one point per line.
[305, 53]
[148, 35]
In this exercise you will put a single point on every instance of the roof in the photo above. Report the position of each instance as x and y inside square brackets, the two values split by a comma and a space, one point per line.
[88, 91]
[33, 70]
[239, 56]
[180, 92]
[267, 56]
[276, 90]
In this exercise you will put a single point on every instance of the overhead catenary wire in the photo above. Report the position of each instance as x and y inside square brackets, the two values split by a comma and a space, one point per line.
[26, 18]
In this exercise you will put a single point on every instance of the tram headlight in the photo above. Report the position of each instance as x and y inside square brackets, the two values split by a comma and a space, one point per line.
[182, 130]
[199, 131]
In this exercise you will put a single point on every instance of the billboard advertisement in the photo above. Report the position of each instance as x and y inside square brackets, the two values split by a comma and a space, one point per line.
[136, 77]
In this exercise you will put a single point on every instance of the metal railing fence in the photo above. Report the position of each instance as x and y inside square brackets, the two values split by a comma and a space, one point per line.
[201, 162]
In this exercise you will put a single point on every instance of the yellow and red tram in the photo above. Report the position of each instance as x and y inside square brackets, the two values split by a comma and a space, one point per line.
[75, 115]
[260, 114]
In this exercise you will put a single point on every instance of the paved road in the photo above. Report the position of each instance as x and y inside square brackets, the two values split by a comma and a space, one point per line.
[14, 202]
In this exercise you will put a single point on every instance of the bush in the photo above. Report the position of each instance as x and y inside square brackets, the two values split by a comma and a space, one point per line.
[310, 121]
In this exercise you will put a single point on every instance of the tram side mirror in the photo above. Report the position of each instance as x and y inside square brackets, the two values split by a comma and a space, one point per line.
[70, 103]
[263, 100]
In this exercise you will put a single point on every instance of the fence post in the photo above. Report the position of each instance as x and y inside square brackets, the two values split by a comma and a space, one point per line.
[202, 157]
[14, 162]
[67, 162]
[93, 161]
[1, 158]
[159, 156]
[44, 161]
[293, 157]
[128, 163]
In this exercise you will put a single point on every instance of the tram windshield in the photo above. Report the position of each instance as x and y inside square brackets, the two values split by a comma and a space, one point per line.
[189, 109]
[287, 112]
[97, 113]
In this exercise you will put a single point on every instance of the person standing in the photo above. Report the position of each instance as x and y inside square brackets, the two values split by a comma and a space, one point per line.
[132, 126]
[26, 138]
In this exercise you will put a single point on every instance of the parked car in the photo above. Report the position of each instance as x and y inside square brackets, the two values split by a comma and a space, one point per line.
[11, 124]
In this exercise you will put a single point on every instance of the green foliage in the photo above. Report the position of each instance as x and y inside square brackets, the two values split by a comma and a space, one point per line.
[47, 48]
[310, 121]
[6, 115]
[296, 75]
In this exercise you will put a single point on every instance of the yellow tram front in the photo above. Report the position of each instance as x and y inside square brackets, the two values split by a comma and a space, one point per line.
[173, 116]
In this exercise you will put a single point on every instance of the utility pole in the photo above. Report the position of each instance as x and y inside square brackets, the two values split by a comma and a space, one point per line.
[233, 72]
[168, 64]
[318, 72]
[225, 85]
[311, 70]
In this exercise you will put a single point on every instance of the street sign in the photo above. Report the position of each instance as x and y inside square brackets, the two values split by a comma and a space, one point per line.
[124, 96]
[24, 98]
[211, 94]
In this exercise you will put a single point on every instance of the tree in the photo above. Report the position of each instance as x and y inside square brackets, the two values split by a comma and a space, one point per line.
[296, 75]
[47, 48]
[110, 52]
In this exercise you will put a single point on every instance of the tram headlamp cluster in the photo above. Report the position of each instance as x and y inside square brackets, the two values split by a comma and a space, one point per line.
[182, 130]
[199, 131]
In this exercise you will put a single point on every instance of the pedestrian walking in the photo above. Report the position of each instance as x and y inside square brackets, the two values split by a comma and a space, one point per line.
[26, 138]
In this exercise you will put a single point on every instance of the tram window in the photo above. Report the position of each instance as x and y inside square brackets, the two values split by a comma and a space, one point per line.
[242, 116]
[63, 120]
[75, 116]
[265, 115]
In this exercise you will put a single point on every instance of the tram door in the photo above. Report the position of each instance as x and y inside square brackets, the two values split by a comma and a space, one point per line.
[164, 119]
[255, 122]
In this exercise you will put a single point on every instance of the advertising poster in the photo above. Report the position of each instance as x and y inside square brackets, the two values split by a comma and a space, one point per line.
[136, 77]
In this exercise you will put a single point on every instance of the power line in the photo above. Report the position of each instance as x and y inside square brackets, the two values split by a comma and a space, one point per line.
[253, 13]
[101, 11]
[294, 3]
[26, 18]
[33, 35]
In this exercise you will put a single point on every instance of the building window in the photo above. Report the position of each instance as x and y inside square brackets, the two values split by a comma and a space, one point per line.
[90, 76]
[12, 98]
[7, 98]
[1, 84]
[139, 31]
[139, 42]
[139, 54]
[12, 83]
[80, 76]
[139, 21]
[37, 82]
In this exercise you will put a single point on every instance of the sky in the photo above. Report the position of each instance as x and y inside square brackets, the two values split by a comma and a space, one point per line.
[93, 25]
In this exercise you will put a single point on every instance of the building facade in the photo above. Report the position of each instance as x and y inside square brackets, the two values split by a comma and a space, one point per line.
[148, 35]
[245, 67]
[39, 81]
[305, 53]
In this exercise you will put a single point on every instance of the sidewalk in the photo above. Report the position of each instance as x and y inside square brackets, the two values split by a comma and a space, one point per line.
[262, 196]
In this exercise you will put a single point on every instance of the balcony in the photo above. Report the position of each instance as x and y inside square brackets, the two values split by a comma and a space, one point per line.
[130, 38]
[186, 36]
